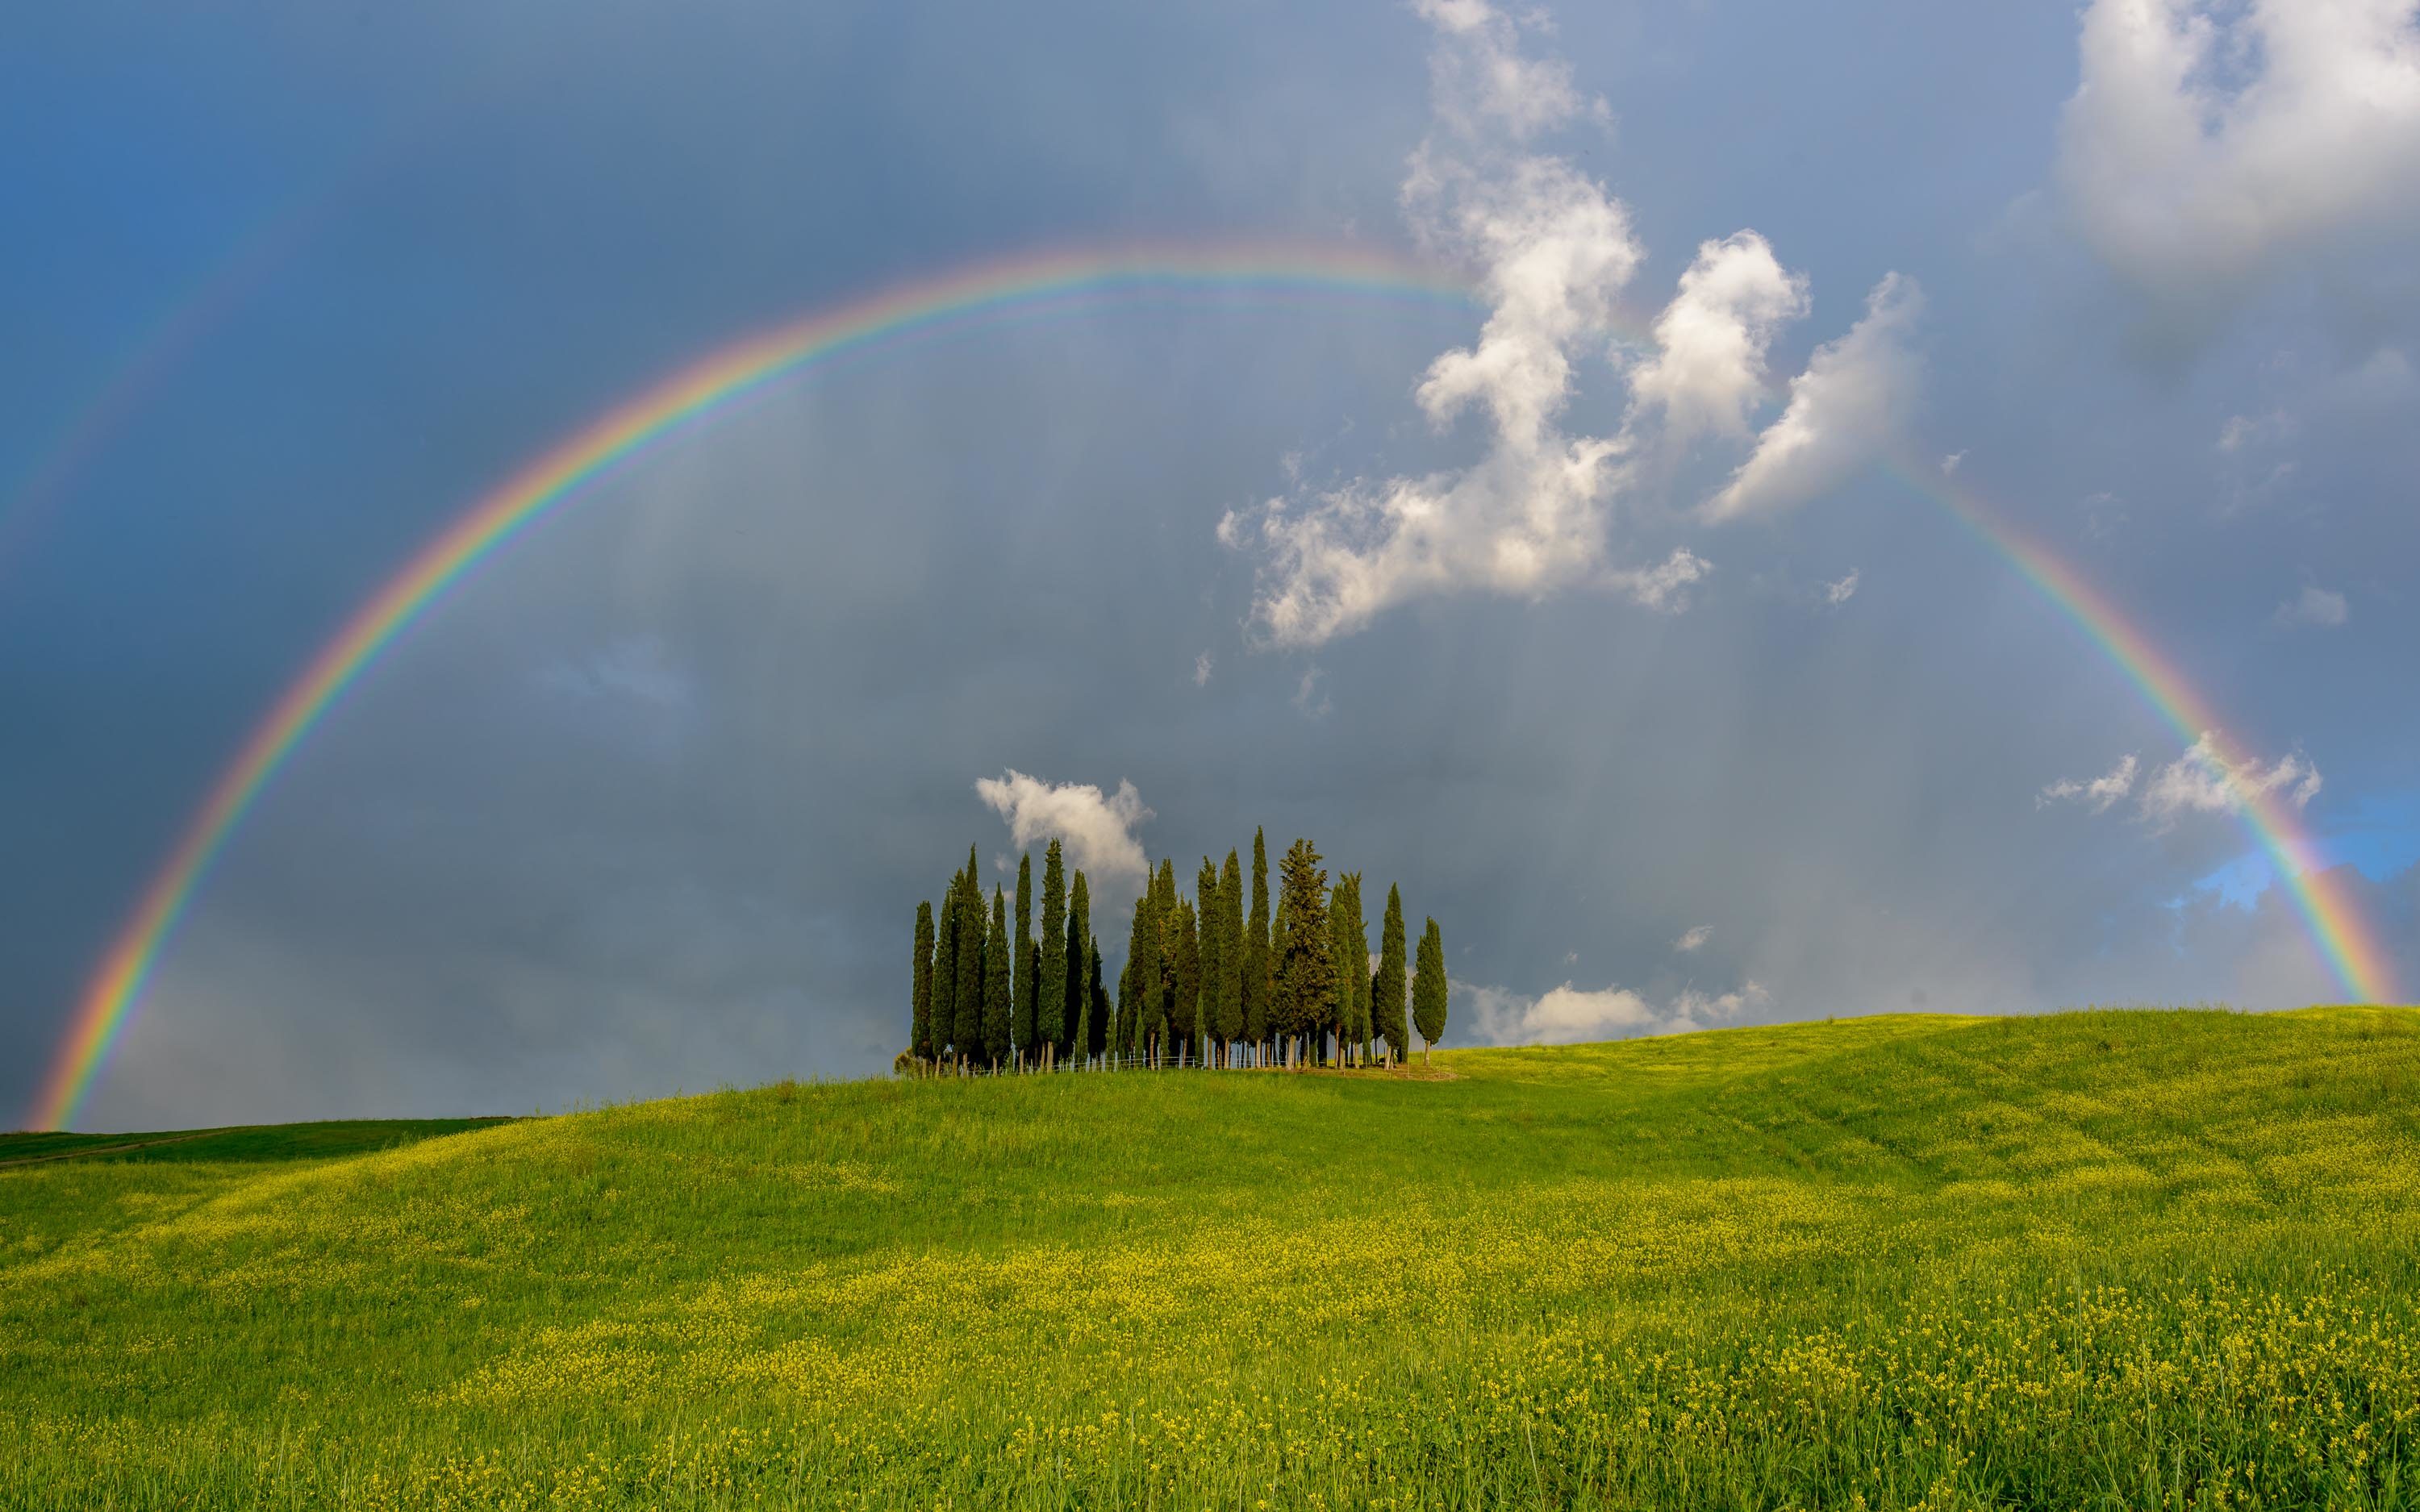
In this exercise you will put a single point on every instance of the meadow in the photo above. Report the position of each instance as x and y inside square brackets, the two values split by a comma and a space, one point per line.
[2093, 1259]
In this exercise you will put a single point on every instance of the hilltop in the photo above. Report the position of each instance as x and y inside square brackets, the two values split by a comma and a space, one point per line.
[2096, 1258]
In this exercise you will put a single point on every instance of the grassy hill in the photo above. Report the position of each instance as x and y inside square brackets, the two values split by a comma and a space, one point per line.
[2097, 1260]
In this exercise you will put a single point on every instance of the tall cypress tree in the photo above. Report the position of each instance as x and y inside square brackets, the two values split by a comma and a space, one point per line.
[1030, 1056]
[967, 1033]
[1081, 1030]
[1139, 983]
[1257, 961]
[1185, 1008]
[1428, 990]
[999, 1010]
[1336, 1012]
[1050, 975]
[1361, 1030]
[1351, 945]
[1306, 964]
[1161, 1004]
[1228, 1021]
[1387, 989]
[1097, 999]
[1205, 889]
[945, 971]
[1027, 984]
[920, 1023]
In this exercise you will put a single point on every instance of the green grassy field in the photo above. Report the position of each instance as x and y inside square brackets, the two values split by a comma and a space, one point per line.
[2106, 1259]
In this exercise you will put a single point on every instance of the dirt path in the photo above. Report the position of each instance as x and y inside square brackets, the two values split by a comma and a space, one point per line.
[106, 1149]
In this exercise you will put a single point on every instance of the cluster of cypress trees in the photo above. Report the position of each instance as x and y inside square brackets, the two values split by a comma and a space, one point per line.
[1206, 983]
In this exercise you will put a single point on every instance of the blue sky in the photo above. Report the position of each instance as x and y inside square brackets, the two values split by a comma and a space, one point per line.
[1598, 638]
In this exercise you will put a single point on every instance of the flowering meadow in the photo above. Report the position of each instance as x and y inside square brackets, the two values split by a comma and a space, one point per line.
[2094, 1259]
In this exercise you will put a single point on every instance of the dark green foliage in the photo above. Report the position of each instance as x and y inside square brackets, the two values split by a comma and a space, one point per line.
[919, 1032]
[1185, 1003]
[1429, 988]
[1256, 982]
[1051, 1018]
[1349, 1015]
[1082, 1030]
[1306, 962]
[1097, 1002]
[1027, 984]
[1213, 949]
[1162, 1003]
[998, 1009]
[1202, 976]
[1141, 973]
[945, 972]
[1227, 1017]
[1337, 1014]
[1387, 989]
[1031, 968]
[967, 1032]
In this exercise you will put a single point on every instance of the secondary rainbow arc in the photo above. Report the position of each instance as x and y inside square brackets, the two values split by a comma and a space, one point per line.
[691, 395]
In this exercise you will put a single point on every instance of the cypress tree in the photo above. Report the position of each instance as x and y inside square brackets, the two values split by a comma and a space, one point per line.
[1029, 967]
[1139, 983]
[1050, 974]
[1362, 1033]
[1428, 990]
[1214, 908]
[1026, 987]
[1081, 1030]
[999, 1014]
[1305, 963]
[920, 1023]
[1160, 1004]
[1387, 989]
[945, 971]
[967, 1033]
[1338, 1007]
[1351, 937]
[1257, 963]
[1097, 999]
[1226, 1023]
[1185, 1013]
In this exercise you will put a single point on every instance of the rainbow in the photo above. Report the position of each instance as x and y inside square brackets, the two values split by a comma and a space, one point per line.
[990, 291]
[2322, 893]
[688, 398]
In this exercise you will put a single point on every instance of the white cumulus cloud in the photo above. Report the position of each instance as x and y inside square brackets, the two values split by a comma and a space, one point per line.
[1576, 1015]
[1694, 938]
[1843, 410]
[1482, 81]
[2205, 780]
[2208, 143]
[1552, 252]
[1097, 829]
[1707, 372]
